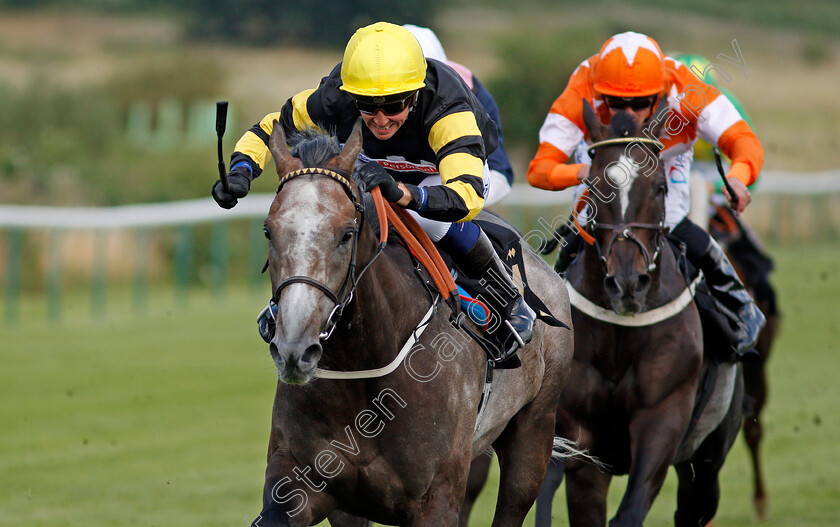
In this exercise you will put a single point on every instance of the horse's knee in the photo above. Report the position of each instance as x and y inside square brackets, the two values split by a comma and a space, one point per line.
[272, 518]
[545, 500]
[752, 431]
[554, 474]
[342, 519]
[284, 507]
[477, 478]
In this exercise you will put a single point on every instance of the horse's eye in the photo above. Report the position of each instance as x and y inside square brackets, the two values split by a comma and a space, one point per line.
[347, 237]
[267, 234]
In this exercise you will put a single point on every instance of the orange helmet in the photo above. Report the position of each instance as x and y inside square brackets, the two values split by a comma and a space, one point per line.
[629, 65]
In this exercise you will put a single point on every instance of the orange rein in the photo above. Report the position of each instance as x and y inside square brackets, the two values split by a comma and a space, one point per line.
[579, 205]
[379, 203]
[417, 240]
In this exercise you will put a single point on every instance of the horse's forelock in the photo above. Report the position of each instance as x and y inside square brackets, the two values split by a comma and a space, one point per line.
[313, 148]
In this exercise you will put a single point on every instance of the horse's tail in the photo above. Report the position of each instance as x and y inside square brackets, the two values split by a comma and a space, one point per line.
[564, 449]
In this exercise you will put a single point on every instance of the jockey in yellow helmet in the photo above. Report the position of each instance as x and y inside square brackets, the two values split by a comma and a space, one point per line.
[425, 144]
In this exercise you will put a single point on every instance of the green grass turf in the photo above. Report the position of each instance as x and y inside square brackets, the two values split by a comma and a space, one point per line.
[159, 420]
[162, 419]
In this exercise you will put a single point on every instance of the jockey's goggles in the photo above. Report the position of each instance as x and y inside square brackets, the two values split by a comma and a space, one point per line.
[634, 103]
[388, 105]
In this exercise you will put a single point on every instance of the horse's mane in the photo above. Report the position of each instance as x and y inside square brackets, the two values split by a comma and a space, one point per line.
[315, 148]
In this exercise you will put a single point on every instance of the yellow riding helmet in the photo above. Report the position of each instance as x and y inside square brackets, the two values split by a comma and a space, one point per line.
[629, 65]
[382, 59]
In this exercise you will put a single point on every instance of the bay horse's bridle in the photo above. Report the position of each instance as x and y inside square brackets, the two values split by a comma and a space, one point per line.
[623, 231]
[345, 294]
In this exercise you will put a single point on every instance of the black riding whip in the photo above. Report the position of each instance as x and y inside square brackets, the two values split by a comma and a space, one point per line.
[726, 184]
[221, 121]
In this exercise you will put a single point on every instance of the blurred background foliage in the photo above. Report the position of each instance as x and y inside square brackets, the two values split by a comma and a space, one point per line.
[260, 22]
[72, 127]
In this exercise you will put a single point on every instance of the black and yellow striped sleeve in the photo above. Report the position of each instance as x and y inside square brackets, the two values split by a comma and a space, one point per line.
[457, 143]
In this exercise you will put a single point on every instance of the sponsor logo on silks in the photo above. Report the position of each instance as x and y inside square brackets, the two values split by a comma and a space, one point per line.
[403, 165]
[680, 176]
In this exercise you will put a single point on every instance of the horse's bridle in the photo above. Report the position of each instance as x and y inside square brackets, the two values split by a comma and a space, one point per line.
[345, 294]
[623, 231]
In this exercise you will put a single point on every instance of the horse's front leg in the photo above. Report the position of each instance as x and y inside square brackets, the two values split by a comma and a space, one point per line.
[655, 436]
[479, 469]
[552, 481]
[524, 450]
[291, 496]
[440, 506]
[586, 494]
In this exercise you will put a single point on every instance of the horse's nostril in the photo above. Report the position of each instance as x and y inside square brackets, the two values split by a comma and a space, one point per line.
[272, 349]
[612, 286]
[642, 283]
[311, 354]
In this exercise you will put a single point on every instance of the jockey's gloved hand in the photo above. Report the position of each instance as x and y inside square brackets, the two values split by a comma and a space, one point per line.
[239, 183]
[373, 175]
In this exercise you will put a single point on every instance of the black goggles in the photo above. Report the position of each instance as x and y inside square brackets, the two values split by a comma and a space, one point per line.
[370, 105]
[634, 103]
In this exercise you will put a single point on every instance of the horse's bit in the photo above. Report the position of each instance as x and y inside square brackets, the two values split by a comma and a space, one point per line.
[345, 294]
[623, 231]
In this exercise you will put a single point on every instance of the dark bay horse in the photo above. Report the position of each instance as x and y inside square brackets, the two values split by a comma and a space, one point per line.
[753, 267]
[639, 368]
[375, 413]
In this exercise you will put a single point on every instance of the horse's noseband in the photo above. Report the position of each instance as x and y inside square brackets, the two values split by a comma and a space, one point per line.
[345, 294]
[623, 231]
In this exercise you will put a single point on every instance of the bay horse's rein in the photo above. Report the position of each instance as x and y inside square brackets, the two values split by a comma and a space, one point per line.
[410, 232]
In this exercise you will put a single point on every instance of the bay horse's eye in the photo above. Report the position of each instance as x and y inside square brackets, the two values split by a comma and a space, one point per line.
[347, 237]
[267, 234]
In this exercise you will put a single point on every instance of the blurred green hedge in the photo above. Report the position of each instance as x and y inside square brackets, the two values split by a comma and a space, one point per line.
[261, 22]
[533, 73]
[65, 146]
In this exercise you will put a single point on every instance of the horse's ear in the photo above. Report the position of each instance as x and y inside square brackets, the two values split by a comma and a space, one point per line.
[592, 123]
[346, 160]
[657, 118]
[283, 159]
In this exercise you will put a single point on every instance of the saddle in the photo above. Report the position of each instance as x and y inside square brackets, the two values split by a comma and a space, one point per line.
[507, 243]
[492, 335]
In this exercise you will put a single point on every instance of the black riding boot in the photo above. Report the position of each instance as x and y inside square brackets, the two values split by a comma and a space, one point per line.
[727, 288]
[483, 264]
[569, 249]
